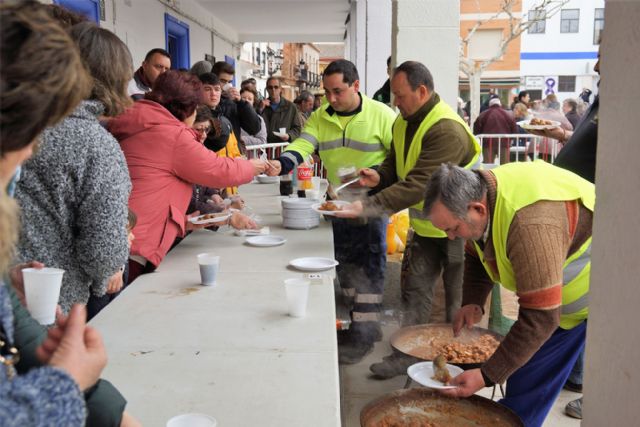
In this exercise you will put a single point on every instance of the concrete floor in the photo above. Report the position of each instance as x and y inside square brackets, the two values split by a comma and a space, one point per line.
[357, 387]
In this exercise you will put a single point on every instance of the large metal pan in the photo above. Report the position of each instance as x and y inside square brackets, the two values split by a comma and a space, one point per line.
[428, 408]
[416, 340]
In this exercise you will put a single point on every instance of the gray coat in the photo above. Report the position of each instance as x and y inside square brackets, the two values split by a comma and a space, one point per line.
[73, 193]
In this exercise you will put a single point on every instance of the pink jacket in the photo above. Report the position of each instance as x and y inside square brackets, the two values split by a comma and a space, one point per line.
[165, 160]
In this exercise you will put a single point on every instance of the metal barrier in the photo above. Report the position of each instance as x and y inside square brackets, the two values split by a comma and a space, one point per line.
[274, 151]
[515, 147]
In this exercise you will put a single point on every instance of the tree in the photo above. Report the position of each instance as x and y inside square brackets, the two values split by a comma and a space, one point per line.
[473, 68]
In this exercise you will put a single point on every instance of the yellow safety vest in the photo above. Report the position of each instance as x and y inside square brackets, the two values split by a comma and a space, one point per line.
[440, 111]
[230, 150]
[363, 142]
[520, 185]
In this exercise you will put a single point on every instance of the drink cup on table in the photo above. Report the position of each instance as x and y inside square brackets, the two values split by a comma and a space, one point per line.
[297, 291]
[42, 291]
[192, 420]
[209, 266]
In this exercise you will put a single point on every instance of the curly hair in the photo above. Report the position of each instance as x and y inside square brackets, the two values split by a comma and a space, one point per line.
[42, 77]
[9, 225]
[177, 91]
[109, 62]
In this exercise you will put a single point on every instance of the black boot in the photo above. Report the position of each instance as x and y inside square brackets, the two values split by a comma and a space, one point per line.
[393, 365]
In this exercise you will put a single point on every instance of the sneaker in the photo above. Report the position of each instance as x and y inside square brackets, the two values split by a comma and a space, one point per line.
[393, 365]
[574, 409]
[576, 388]
[353, 352]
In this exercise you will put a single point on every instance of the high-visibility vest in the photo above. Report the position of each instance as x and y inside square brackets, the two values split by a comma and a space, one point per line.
[520, 185]
[363, 142]
[230, 150]
[440, 111]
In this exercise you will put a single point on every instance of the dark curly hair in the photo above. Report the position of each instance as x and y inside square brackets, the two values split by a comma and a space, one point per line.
[177, 91]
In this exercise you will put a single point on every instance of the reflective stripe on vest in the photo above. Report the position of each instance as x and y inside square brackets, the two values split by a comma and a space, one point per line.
[440, 111]
[520, 185]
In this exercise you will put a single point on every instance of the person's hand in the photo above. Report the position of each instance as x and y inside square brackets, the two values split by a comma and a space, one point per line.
[75, 348]
[237, 202]
[17, 280]
[234, 94]
[467, 383]
[259, 166]
[241, 221]
[352, 210]
[115, 283]
[129, 421]
[265, 103]
[468, 315]
[217, 201]
[368, 177]
[283, 136]
[275, 167]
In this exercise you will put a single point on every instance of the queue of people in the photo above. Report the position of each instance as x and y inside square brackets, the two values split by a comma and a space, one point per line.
[126, 159]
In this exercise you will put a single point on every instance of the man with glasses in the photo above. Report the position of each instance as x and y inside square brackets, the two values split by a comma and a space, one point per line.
[350, 131]
[280, 113]
[155, 63]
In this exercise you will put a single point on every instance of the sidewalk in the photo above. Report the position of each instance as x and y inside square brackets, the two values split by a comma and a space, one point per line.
[357, 387]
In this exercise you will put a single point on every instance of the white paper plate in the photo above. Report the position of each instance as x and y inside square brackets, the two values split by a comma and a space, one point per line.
[338, 203]
[266, 179]
[202, 219]
[423, 371]
[525, 124]
[265, 241]
[281, 135]
[313, 263]
[263, 231]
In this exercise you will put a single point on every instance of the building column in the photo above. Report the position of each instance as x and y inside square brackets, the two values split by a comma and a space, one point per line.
[428, 31]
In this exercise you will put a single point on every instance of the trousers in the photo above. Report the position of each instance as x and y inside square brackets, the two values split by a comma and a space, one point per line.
[532, 389]
[360, 250]
[425, 259]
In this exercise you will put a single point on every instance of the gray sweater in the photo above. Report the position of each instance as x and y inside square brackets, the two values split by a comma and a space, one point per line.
[73, 193]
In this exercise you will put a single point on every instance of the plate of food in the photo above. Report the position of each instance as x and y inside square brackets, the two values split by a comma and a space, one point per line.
[538, 124]
[313, 263]
[435, 375]
[330, 207]
[211, 218]
[265, 241]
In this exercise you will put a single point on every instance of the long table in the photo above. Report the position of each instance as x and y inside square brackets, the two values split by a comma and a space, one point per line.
[229, 351]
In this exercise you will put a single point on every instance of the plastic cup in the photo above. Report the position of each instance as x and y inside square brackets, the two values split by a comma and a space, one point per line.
[192, 420]
[209, 265]
[42, 291]
[297, 291]
[312, 194]
[282, 130]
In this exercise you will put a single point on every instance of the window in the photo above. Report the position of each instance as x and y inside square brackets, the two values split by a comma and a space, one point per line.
[538, 19]
[569, 20]
[566, 83]
[598, 25]
[177, 42]
[88, 8]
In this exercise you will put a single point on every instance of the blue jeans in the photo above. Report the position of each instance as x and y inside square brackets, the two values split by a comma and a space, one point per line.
[532, 389]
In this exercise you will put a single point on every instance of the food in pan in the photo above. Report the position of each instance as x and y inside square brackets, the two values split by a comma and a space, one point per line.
[440, 371]
[330, 206]
[539, 122]
[474, 352]
[468, 348]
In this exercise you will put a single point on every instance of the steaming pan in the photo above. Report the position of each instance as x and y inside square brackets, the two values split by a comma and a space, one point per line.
[415, 340]
[427, 408]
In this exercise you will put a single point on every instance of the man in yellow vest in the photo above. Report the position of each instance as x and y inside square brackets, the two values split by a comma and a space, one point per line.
[427, 134]
[350, 130]
[528, 227]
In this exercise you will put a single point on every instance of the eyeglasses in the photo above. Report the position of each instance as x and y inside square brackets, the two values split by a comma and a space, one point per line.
[273, 87]
[203, 130]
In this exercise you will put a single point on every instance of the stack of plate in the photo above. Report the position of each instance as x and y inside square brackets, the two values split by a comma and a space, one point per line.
[298, 215]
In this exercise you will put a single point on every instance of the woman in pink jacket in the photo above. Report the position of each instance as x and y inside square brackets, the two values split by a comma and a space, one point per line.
[165, 160]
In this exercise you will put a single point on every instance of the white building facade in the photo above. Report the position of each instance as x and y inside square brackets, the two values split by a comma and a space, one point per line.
[558, 54]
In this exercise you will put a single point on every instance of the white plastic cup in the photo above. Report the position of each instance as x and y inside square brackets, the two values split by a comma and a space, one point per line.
[192, 420]
[312, 194]
[209, 265]
[297, 291]
[42, 291]
[282, 130]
